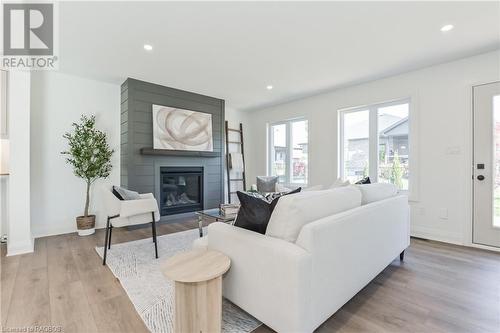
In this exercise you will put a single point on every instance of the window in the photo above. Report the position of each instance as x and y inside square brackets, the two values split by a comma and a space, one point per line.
[374, 142]
[288, 151]
[356, 152]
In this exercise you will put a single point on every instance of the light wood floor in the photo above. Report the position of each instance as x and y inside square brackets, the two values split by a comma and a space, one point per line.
[438, 288]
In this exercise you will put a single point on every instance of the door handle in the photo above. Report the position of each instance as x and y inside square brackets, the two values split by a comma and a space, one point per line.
[480, 177]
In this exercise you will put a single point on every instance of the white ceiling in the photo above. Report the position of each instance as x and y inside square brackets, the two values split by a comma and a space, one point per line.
[233, 50]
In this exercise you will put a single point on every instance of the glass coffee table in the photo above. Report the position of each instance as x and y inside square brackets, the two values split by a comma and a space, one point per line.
[213, 213]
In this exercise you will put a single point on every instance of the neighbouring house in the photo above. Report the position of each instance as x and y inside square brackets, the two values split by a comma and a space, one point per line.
[392, 141]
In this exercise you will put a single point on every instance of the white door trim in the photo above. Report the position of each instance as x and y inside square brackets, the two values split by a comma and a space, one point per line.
[468, 241]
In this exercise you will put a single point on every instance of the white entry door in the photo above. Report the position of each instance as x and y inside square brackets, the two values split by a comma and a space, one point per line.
[486, 177]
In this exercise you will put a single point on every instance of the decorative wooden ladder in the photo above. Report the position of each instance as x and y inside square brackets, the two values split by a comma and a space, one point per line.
[228, 158]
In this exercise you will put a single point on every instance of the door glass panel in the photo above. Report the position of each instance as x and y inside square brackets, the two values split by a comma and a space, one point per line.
[393, 146]
[299, 152]
[356, 145]
[279, 152]
[496, 161]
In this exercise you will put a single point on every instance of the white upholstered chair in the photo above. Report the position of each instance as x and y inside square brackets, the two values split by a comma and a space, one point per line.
[122, 213]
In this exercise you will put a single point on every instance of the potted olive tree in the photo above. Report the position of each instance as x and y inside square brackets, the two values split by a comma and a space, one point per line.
[89, 154]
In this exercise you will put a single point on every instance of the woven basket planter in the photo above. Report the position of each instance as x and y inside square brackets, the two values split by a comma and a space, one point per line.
[85, 225]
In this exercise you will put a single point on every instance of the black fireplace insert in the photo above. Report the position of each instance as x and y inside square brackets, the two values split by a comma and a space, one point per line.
[181, 190]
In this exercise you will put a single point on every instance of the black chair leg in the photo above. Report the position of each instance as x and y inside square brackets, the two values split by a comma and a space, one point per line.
[153, 226]
[109, 241]
[402, 256]
[106, 243]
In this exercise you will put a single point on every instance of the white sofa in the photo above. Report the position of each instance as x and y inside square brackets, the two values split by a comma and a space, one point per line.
[296, 286]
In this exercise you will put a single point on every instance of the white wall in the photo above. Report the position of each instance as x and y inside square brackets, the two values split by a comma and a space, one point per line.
[4, 152]
[234, 117]
[4, 205]
[440, 133]
[20, 238]
[58, 100]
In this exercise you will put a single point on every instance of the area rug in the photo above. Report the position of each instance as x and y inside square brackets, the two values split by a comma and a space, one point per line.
[151, 293]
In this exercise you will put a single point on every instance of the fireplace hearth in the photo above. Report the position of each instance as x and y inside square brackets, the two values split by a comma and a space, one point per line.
[181, 190]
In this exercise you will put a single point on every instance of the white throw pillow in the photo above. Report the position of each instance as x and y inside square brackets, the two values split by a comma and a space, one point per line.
[294, 211]
[376, 192]
[338, 183]
[312, 188]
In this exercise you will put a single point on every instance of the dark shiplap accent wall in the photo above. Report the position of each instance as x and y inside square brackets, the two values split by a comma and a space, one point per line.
[141, 172]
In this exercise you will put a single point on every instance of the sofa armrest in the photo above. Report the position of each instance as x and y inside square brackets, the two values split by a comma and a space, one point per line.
[351, 248]
[269, 277]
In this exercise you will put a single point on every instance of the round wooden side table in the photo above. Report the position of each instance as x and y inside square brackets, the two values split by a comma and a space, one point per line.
[198, 289]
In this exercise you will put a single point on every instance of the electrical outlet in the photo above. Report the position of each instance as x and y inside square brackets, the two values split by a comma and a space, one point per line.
[453, 150]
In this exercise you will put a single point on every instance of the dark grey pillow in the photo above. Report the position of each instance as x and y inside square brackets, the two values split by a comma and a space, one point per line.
[266, 184]
[255, 211]
[124, 194]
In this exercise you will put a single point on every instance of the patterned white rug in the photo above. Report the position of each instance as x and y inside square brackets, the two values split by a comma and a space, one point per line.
[151, 292]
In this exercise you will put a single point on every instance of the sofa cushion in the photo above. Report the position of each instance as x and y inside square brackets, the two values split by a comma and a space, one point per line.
[338, 183]
[255, 210]
[376, 192]
[313, 188]
[293, 212]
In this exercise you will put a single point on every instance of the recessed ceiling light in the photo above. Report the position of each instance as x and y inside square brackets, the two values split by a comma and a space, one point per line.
[148, 47]
[447, 27]
[269, 87]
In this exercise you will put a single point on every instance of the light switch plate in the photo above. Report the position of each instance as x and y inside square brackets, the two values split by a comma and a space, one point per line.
[443, 213]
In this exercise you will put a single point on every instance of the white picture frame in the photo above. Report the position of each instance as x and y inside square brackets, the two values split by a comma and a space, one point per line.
[181, 129]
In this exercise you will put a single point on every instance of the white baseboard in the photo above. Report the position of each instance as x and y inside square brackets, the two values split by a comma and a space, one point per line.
[437, 235]
[484, 247]
[16, 248]
[446, 237]
[53, 232]
[60, 231]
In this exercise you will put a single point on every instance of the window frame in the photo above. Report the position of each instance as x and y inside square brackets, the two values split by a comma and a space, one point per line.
[289, 139]
[373, 138]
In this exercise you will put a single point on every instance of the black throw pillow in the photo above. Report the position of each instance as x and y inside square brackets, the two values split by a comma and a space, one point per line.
[255, 211]
[365, 180]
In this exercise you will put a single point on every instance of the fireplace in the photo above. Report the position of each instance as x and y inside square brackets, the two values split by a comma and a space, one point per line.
[181, 190]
